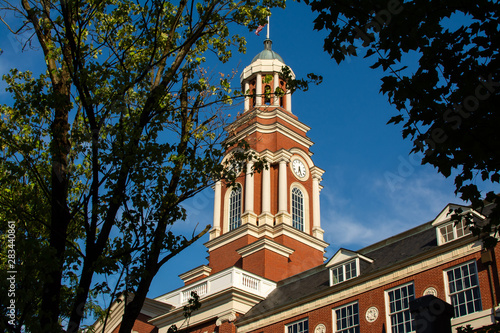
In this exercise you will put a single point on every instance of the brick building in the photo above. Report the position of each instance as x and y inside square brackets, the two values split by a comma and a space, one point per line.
[266, 271]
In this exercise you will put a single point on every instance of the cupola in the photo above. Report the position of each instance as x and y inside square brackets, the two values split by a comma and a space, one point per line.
[263, 82]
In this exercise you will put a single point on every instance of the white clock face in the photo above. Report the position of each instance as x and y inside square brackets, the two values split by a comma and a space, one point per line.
[299, 168]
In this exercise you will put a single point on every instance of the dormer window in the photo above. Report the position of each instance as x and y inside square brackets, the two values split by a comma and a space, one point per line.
[452, 231]
[448, 229]
[345, 265]
[344, 271]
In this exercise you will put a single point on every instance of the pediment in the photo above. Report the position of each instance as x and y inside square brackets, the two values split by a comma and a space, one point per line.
[344, 255]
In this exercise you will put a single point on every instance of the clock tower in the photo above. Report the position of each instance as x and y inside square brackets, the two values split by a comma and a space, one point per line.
[268, 223]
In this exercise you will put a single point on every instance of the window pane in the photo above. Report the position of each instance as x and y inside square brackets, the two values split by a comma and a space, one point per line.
[299, 327]
[297, 209]
[347, 319]
[235, 208]
[399, 299]
[464, 289]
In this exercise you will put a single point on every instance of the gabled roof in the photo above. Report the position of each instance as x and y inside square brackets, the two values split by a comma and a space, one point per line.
[344, 255]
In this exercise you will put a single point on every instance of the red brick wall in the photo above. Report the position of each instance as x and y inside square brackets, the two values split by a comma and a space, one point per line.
[226, 256]
[267, 264]
[303, 258]
[430, 278]
[141, 325]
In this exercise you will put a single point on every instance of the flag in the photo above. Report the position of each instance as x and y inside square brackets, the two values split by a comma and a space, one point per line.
[259, 29]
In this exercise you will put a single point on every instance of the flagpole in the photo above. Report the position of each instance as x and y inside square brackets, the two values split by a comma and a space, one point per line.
[267, 28]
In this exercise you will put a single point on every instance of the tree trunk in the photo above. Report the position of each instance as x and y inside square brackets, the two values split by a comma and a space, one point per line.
[59, 220]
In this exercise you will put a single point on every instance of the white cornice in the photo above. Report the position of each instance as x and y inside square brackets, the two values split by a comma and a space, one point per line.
[278, 113]
[272, 128]
[445, 215]
[263, 66]
[266, 231]
[265, 244]
[214, 306]
[344, 255]
[267, 114]
[199, 271]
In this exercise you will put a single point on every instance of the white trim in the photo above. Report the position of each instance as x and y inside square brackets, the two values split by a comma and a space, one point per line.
[387, 302]
[227, 195]
[343, 265]
[265, 244]
[226, 292]
[306, 203]
[272, 128]
[263, 65]
[439, 236]
[476, 319]
[343, 255]
[199, 271]
[266, 231]
[334, 318]
[306, 318]
[447, 285]
[445, 215]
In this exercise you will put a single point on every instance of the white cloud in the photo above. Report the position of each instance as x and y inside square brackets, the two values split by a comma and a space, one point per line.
[354, 219]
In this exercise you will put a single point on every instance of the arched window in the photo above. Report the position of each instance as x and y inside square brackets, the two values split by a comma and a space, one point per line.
[235, 208]
[297, 209]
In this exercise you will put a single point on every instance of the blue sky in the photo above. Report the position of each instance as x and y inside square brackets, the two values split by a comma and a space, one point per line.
[373, 188]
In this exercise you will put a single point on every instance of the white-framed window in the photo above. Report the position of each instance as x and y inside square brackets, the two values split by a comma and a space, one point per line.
[297, 209]
[344, 272]
[463, 289]
[346, 318]
[235, 208]
[300, 326]
[398, 305]
[452, 231]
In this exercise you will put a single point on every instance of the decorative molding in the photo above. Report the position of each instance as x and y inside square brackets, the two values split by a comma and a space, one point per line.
[265, 244]
[344, 255]
[262, 65]
[320, 328]
[371, 314]
[272, 128]
[430, 291]
[200, 271]
[227, 317]
[266, 231]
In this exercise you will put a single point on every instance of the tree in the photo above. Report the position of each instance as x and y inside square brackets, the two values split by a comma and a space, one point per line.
[442, 73]
[100, 150]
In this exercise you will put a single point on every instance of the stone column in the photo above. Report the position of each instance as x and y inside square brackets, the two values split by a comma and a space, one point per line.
[283, 216]
[288, 101]
[215, 232]
[276, 100]
[249, 188]
[282, 188]
[249, 215]
[258, 90]
[247, 98]
[266, 217]
[316, 225]
[266, 190]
